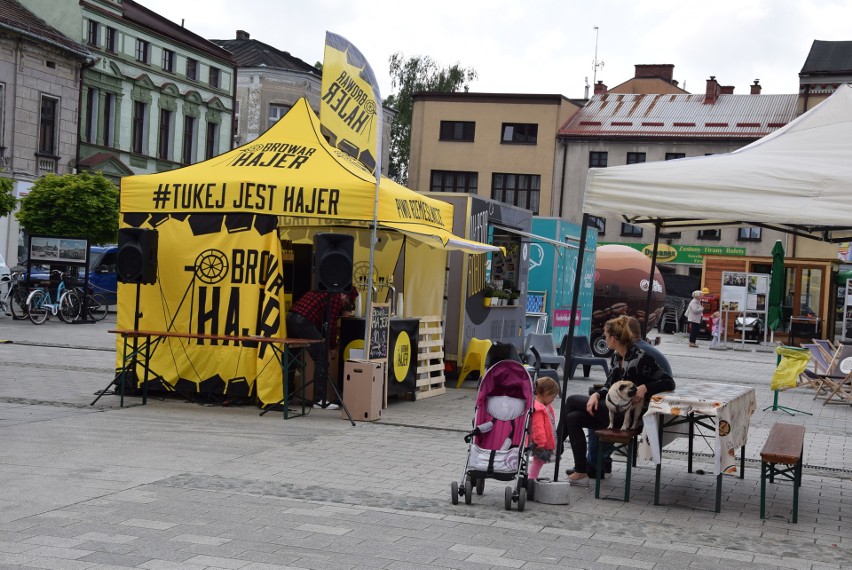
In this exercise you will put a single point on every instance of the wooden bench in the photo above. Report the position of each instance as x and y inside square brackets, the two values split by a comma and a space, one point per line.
[617, 437]
[784, 446]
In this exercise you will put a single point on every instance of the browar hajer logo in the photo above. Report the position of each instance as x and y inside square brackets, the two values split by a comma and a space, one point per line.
[402, 356]
[221, 280]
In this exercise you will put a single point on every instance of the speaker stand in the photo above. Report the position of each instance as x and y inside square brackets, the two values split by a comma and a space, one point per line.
[134, 357]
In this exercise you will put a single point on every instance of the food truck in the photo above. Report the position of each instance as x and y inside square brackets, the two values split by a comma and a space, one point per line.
[499, 277]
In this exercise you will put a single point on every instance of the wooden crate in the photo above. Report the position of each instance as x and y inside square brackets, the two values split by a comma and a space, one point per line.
[430, 358]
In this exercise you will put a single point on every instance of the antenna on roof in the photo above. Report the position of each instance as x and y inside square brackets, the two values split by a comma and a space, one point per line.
[597, 63]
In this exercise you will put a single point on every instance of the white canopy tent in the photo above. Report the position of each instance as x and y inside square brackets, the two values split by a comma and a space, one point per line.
[797, 180]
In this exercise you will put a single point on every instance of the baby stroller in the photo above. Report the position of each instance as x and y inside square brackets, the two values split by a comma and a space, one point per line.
[497, 446]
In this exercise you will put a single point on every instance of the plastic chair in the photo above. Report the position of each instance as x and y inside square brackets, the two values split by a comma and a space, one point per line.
[546, 349]
[474, 359]
[581, 355]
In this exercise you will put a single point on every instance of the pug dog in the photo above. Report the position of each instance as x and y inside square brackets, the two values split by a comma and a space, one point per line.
[619, 400]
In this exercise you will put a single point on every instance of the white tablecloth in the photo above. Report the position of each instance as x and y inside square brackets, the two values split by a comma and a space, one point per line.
[729, 407]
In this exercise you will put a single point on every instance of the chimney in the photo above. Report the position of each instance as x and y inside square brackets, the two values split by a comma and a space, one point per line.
[664, 71]
[712, 92]
[755, 88]
[600, 88]
[727, 89]
[243, 35]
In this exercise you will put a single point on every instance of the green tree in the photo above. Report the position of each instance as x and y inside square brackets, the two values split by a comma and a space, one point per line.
[410, 76]
[7, 197]
[84, 205]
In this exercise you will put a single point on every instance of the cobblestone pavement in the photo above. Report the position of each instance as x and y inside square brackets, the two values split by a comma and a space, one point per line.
[176, 484]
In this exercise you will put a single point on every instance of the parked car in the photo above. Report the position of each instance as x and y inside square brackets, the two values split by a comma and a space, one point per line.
[753, 327]
[102, 276]
[4, 269]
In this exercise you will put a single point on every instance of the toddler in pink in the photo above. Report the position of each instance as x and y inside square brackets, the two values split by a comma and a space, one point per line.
[543, 431]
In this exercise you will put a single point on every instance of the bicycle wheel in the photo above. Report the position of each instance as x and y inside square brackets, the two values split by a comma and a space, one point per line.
[18, 302]
[69, 306]
[98, 307]
[37, 307]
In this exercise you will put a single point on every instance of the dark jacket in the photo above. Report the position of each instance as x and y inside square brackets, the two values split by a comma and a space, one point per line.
[640, 368]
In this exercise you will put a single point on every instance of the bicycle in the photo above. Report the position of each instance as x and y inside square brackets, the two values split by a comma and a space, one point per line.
[15, 299]
[71, 305]
[40, 303]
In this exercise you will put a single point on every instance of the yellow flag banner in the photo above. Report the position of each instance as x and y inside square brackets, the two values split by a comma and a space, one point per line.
[217, 275]
[351, 105]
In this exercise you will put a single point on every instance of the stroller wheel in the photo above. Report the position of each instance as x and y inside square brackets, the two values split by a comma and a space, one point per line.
[480, 486]
[522, 499]
[507, 496]
[454, 492]
[468, 490]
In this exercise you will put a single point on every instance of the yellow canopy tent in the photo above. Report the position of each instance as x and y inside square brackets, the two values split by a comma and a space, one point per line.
[220, 262]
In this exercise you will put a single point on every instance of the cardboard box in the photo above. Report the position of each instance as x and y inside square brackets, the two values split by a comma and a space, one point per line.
[363, 384]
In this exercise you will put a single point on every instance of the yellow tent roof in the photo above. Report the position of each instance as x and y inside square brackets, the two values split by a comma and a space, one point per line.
[290, 170]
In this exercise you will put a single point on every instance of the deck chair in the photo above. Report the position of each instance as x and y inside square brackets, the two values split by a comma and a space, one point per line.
[546, 349]
[474, 359]
[820, 363]
[581, 355]
[836, 381]
[827, 346]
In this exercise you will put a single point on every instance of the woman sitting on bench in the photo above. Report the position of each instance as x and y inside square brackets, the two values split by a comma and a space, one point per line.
[630, 363]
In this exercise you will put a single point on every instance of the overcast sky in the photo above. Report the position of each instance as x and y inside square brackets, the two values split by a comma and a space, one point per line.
[544, 46]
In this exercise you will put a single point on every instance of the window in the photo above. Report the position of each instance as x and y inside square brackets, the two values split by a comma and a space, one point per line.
[457, 131]
[710, 234]
[519, 133]
[748, 234]
[214, 77]
[139, 111]
[675, 155]
[635, 157]
[90, 128]
[143, 50]
[111, 39]
[276, 111]
[47, 125]
[168, 60]
[188, 138]
[454, 181]
[236, 120]
[2, 120]
[92, 36]
[211, 146]
[191, 69]
[165, 133]
[629, 230]
[598, 223]
[597, 159]
[109, 118]
[520, 190]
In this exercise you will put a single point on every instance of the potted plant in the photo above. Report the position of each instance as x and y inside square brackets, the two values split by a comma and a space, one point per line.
[513, 296]
[488, 295]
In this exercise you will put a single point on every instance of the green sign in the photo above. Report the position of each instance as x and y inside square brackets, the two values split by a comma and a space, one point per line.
[687, 254]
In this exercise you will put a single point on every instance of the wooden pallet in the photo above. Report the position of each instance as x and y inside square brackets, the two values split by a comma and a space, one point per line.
[430, 358]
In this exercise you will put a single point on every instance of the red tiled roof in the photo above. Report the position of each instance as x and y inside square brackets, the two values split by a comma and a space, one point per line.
[676, 115]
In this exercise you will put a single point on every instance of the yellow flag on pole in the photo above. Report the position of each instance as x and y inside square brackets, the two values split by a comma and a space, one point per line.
[351, 105]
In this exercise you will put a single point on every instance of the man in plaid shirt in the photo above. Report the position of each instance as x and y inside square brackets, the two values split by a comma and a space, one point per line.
[306, 319]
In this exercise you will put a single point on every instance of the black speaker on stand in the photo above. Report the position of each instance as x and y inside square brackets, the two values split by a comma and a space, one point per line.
[136, 262]
[333, 262]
